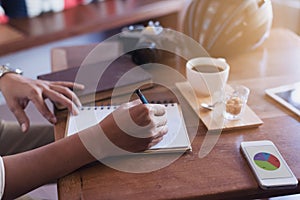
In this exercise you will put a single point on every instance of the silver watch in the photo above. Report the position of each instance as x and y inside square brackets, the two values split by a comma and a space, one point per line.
[5, 69]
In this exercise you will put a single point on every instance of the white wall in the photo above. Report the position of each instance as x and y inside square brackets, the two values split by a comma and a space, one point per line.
[287, 14]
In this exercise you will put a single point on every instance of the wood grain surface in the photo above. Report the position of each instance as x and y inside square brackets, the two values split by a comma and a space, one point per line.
[223, 173]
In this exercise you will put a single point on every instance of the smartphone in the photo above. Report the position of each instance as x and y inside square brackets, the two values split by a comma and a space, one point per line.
[269, 167]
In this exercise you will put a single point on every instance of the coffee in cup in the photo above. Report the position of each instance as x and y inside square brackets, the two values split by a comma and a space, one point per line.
[207, 68]
[207, 76]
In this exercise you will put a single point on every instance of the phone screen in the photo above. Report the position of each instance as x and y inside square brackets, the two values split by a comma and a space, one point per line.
[291, 96]
[267, 162]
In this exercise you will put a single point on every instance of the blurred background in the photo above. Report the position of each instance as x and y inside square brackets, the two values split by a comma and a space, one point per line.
[19, 45]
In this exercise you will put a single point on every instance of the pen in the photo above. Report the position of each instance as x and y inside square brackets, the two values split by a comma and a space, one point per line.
[141, 96]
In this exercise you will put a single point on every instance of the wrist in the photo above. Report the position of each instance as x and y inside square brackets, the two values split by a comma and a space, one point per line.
[5, 70]
[95, 142]
[6, 78]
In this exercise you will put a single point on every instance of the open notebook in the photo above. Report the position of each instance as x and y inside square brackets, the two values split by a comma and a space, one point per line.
[176, 140]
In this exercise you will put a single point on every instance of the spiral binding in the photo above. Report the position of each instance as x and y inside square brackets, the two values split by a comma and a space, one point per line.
[108, 106]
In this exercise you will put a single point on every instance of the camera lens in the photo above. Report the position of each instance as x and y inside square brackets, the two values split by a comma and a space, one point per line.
[145, 52]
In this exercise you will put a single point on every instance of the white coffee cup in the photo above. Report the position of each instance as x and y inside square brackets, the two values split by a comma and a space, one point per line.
[207, 75]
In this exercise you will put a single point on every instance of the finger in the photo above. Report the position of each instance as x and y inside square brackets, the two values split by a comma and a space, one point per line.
[154, 142]
[78, 86]
[67, 92]
[21, 116]
[161, 131]
[72, 85]
[157, 109]
[39, 103]
[23, 103]
[159, 120]
[61, 99]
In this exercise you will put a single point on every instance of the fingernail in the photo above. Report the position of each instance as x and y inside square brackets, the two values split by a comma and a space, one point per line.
[23, 127]
[75, 111]
[53, 120]
[79, 104]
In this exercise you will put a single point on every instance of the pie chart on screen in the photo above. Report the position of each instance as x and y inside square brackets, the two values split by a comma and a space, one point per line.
[266, 161]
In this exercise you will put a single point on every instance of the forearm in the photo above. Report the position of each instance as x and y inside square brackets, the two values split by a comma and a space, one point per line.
[31, 169]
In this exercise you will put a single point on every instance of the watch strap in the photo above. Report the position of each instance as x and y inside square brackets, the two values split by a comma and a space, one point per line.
[4, 69]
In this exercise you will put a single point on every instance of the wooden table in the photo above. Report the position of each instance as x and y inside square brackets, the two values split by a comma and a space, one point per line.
[24, 33]
[223, 173]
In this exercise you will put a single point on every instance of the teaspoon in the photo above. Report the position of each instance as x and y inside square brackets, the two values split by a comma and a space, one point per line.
[208, 106]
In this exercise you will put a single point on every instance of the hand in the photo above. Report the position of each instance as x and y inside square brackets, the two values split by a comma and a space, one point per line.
[18, 91]
[147, 128]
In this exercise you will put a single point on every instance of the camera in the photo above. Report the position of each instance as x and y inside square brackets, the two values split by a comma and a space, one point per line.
[142, 43]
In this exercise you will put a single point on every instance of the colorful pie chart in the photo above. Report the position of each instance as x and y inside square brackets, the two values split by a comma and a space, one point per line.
[266, 161]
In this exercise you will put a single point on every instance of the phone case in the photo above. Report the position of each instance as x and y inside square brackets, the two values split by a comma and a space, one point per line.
[268, 165]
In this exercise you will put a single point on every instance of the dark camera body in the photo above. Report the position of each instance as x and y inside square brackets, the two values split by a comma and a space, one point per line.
[142, 43]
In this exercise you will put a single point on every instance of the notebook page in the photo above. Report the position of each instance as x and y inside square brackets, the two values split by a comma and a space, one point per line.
[87, 117]
[175, 138]
[177, 135]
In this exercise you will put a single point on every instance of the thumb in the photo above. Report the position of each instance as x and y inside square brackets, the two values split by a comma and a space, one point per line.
[22, 118]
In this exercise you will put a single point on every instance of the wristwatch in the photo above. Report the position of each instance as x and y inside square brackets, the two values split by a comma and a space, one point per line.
[5, 69]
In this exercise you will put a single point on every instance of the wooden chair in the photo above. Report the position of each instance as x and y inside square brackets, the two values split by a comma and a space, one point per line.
[228, 27]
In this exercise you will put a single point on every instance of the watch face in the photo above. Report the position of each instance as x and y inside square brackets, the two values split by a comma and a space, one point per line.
[4, 69]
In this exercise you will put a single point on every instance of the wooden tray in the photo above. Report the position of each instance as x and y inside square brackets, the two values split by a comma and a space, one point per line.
[214, 120]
